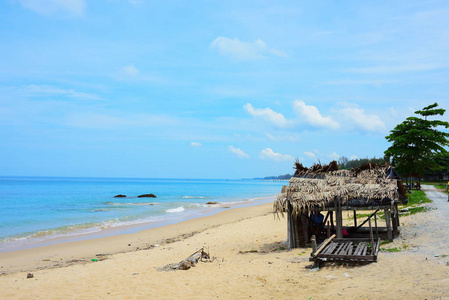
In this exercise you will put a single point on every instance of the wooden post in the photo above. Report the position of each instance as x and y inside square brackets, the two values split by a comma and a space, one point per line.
[303, 221]
[339, 221]
[332, 220]
[398, 224]
[375, 224]
[289, 226]
[371, 237]
[292, 228]
[394, 220]
[313, 239]
[387, 221]
[355, 219]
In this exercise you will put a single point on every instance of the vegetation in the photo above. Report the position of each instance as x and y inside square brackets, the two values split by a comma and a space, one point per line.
[417, 198]
[442, 160]
[346, 164]
[414, 210]
[394, 249]
[286, 176]
[417, 143]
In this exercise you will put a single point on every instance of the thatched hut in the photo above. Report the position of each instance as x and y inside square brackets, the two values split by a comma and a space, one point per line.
[326, 188]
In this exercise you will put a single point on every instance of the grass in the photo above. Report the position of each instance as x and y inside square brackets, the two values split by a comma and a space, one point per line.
[414, 204]
[385, 242]
[417, 197]
[394, 249]
[414, 210]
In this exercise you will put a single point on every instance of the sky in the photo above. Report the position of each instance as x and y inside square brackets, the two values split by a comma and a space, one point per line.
[211, 89]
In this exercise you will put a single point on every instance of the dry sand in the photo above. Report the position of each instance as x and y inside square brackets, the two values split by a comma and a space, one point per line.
[250, 262]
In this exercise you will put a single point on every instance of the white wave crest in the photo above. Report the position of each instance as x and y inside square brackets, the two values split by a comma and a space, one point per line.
[175, 210]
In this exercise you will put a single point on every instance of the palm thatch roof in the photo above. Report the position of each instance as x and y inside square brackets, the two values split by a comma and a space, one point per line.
[323, 186]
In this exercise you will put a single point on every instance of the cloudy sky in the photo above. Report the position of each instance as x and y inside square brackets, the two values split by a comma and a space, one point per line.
[211, 89]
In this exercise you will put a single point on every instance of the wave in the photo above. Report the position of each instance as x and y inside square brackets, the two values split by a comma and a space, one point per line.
[76, 230]
[194, 197]
[130, 203]
[68, 230]
[176, 210]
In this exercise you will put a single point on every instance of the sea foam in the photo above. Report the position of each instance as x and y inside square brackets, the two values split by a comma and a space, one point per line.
[176, 210]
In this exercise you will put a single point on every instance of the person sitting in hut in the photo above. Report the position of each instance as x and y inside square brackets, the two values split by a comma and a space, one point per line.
[316, 223]
[417, 185]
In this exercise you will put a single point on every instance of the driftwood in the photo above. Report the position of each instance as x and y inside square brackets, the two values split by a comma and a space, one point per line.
[187, 263]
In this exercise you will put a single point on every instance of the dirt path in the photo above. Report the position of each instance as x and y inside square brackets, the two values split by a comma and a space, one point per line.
[429, 232]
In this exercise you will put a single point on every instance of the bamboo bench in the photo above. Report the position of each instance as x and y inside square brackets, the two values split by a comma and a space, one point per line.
[346, 250]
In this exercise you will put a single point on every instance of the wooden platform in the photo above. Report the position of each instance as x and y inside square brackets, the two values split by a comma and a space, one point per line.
[346, 250]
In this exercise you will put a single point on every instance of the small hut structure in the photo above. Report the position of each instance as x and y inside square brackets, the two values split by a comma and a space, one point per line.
[370, 187]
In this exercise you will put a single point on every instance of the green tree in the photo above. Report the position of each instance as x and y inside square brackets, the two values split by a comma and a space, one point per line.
[416, 142]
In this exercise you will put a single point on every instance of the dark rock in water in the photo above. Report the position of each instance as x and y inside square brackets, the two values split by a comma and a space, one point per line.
[120, 196]
[212, 202]
[147, 196]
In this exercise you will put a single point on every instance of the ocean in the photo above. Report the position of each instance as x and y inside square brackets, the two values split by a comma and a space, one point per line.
[46, 210]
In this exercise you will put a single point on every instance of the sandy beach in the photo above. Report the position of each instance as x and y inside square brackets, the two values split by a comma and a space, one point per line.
[249, 261]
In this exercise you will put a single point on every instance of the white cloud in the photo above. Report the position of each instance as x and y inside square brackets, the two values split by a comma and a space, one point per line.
[310, 154]
[268, 153]
[131, 70]
[74, 8]
[244, 50]
[312, 115]
[371, 123]
[195, 144]
[39, 90]
[353, 157]
[238, 152]
[266, 114]
[334, 156]
[283, 138]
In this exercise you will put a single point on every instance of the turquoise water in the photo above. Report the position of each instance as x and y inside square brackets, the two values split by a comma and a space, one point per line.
[39, 209]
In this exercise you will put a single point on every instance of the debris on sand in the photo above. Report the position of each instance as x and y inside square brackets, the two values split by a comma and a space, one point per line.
[187, 263]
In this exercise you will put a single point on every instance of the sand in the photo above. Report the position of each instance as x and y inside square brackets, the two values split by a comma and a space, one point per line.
[250, 261]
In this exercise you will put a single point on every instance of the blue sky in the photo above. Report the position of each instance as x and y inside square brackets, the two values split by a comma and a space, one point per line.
[211, 89]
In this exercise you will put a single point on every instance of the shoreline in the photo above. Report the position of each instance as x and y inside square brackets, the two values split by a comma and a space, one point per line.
[249, 260]
[67, 251]
[123, 229]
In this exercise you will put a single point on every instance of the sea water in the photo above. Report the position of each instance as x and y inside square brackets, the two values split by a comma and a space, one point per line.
[45, 210]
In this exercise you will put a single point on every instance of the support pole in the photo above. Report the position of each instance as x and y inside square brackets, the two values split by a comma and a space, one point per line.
[332, 220]
[394, 220]
[304, 224]
[388, 222]
[375, 224]
[313, 239]
[355, 219]
[371, 237]
[289, 226]
[339, 217]
[292, 228]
